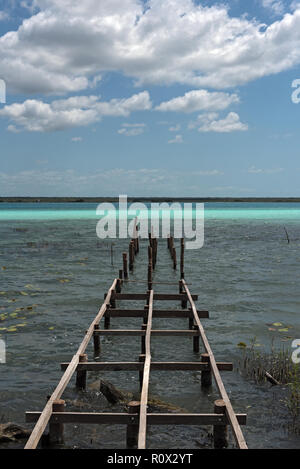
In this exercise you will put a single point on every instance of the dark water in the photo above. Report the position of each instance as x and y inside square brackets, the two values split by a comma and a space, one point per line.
[54, 272]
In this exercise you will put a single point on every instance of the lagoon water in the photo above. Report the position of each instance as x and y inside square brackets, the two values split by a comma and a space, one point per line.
[54, 272]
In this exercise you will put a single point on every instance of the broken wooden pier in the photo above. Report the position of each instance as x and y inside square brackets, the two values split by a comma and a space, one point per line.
[137, 419]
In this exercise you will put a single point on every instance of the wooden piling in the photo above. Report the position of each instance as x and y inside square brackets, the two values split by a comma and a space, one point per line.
[131, 255]
[119, 283]
[132, 429]
[81, 374]
[96, 340]
[220, 432]
[125, 268]
[150, 272]
[174, 258]
[182, 258]
[56, 430]
[142, 357]
[196, 347]
[206, 378]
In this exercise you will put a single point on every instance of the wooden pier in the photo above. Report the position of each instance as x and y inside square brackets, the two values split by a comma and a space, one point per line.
[137, 419]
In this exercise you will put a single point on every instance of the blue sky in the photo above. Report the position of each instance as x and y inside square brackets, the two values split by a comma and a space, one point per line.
[153, 98]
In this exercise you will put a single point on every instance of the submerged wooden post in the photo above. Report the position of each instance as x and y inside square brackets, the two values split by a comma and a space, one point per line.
[182, 258]
[206, 377]
[132, 429]
[196, 341]
[56, 430]
[150, 271]
[125, 268]
[174, 258]
[96, 340]
[119, 282]
[142, 358]
[220, 432]
[81, 374]
[131, 255]
[143, 340]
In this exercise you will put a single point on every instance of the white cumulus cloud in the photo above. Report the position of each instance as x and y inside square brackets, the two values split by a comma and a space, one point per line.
[67, 45]
[199, 100]
[211, 122]
[37, 116]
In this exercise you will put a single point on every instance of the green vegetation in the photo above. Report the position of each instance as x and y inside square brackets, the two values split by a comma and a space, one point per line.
[254, 365]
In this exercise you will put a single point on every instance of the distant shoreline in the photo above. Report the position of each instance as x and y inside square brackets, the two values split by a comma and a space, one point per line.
[145, 199]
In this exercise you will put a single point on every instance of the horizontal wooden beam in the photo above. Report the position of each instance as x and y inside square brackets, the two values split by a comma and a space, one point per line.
[139, 332]
[157, 313]
[155, 366]
[156, 296]
[125, 419]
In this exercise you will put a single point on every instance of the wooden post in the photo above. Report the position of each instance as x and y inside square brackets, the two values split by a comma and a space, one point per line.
[141, 373]
[96, 339]
[106, 321]
[220, 432]
[125, 268]
[132, 429]
[131, 254]
[143, 340]
[174, 258]
[81, 374]
[119, 283]
[206, 378]
[56, 430]
[196, 341]
[150, 276]
[182, 258]
[150, 255]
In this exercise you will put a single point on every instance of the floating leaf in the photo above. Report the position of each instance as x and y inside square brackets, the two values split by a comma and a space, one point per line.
[12, 329]
[2, 328]
[24, 293]
[51, 328]
[242, 344]
[20, 325]
[271, 329]
[277, 324]
[285, 329]
[2, 293]
[3, 267]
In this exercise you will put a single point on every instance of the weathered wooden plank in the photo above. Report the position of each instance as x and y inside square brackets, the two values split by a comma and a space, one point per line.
[237, 432]
[146, 377]
[125, 419]
[42, 422]
[157, 296]
[158, 332]
[155, 366]
[157, 313]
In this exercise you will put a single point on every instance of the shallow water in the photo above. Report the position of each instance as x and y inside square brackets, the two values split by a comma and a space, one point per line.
[54, 272]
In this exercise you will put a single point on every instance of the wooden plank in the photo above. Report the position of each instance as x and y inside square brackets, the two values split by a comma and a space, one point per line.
[157, 296]
[139, 332]
[84, 417]
[125, 419]
[157, 313]
[42, 422]
[155, 366]
[237, 432]
[146, 377]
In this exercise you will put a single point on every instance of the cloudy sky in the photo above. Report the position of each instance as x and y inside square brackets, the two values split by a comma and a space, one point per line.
[154, 97]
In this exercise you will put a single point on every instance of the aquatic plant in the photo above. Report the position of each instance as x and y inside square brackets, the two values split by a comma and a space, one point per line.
[258, 366]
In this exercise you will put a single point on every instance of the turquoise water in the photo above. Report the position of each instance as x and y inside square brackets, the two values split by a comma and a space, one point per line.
[82, 211]
[54, 272]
